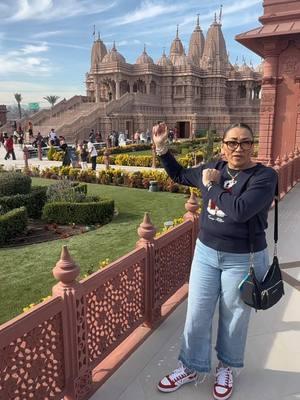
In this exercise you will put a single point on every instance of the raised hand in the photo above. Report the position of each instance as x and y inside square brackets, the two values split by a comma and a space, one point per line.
[160, 134]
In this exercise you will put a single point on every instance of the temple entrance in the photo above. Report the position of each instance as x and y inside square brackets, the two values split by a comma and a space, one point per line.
[129, 129]
[183, 129]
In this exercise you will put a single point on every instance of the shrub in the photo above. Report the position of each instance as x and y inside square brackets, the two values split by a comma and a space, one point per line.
[126, 149]
[13, 183]
[33, 201]
[90, 212]
[80, 187]
[12, 223]
[65, 190]
[54, 155]
[51, 153]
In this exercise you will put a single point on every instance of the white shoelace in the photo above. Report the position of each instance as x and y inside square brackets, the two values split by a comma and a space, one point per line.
[179, 372]
[224, 377]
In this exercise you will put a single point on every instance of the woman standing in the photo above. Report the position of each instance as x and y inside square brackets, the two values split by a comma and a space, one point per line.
[233, 191]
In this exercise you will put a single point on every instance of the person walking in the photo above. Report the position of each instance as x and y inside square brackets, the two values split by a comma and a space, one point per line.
[93, 154]
[9, 146]
[83, 153]
[234, 191]
[66, 157]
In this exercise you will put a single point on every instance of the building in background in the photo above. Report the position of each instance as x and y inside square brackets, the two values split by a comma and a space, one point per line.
[192, 90]
[3, 114]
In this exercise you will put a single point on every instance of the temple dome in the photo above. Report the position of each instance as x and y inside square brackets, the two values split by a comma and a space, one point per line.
[99, 51]
[215, 56]
[176, 47]
[144, 58]
[196, 46]
[181, 60]
[245, 69]
[260, 68]
[164, 61]
[113, 55]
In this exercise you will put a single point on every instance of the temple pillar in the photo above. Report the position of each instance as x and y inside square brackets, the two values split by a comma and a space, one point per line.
[267, 110]
[280, 103]
[117, 89]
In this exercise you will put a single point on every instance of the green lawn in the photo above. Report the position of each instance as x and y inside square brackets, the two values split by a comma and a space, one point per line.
[26, 272]
[138, 153]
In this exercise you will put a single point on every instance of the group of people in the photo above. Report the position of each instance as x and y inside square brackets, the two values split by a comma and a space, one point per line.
[141, 137]
[86, 151]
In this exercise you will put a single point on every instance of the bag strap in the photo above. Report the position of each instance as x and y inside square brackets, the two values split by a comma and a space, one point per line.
[252, 226]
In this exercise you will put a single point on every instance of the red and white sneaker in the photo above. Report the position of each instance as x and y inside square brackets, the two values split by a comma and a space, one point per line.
[177, 378]
[223, 384]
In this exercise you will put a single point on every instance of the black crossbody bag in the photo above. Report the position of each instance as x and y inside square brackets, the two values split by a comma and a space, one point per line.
[263, 294]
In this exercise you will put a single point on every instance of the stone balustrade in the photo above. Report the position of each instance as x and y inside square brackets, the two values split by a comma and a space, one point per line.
[66, 347]
[288, 169]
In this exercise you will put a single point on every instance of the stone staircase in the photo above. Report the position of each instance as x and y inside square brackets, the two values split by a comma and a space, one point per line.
[74, 118]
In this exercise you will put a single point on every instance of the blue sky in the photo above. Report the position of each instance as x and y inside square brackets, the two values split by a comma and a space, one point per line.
[45, 45]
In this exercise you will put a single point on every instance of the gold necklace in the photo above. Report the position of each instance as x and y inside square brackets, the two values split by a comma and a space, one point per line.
[233, 177]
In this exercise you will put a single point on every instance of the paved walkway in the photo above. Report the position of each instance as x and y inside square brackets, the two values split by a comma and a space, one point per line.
[272, 369]
[19, 162]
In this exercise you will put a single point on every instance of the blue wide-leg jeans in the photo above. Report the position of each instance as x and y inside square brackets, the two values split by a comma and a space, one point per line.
[216, 275]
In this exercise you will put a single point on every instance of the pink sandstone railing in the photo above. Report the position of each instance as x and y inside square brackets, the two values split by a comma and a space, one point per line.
[66, 347]
[288, 169]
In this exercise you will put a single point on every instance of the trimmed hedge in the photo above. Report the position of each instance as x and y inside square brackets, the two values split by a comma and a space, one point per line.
[12, 223]
[33, 201]
[12, 183]
[126, 149]
[91, 212]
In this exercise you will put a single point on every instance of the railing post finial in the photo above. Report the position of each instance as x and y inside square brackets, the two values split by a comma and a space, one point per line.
[192, 204]
[66, 270]
[146, 230]
[278, 162]
[285, 158]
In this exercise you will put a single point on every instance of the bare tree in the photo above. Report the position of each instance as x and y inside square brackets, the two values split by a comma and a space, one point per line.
[18, 98]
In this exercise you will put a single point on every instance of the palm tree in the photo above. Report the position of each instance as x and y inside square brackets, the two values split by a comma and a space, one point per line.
[18, 98]
[52, 100]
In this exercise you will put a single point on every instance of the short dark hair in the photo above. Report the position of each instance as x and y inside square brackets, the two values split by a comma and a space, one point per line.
[239, 125]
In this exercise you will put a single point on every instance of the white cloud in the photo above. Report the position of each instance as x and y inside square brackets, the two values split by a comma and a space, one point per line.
[147, 10]
[25, 61]
[32, 48]
[52, 44]
[57, 9]
[45, 35]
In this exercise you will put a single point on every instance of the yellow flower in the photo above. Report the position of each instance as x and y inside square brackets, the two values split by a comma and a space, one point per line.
[25, 309]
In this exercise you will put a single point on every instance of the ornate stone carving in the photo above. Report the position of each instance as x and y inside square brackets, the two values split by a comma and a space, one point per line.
[267, 109]
[268, 98]
[165, 282]
[290, 65]
[114, 309]
[82, 385]
[32, 366]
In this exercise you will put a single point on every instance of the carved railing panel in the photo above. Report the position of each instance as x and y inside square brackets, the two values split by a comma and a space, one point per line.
[115, 304]
[32, 364]
[173, 257]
